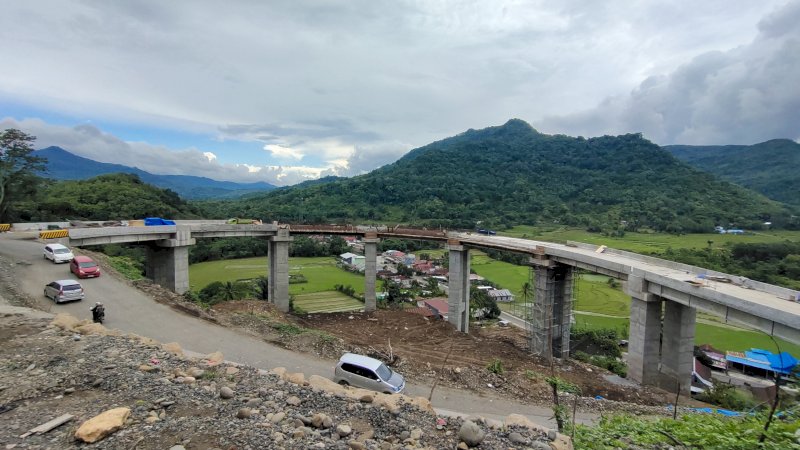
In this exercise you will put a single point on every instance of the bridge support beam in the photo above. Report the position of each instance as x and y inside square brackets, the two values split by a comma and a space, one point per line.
[370, 270]
[168, 261]
[644, 341]
[278, 283]
[677, 348]
[660, 353]
[552, 309]
[458, 286]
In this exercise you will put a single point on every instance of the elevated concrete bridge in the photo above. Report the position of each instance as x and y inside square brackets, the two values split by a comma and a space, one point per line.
[664, 295]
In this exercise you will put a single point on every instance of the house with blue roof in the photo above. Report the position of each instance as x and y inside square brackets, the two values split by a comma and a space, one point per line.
[761, 362]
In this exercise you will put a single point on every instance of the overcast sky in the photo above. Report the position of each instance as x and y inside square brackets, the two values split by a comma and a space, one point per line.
[283, 91]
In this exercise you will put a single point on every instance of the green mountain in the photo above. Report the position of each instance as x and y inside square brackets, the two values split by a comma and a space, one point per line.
[107, 197]
[512, 174]
[771, 168]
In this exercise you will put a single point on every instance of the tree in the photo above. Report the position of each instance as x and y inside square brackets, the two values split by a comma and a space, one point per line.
[482, 305]
[18, 169]
[527, 291]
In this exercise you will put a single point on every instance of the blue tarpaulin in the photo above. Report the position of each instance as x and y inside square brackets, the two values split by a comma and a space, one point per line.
[782, 363]
[153, 221]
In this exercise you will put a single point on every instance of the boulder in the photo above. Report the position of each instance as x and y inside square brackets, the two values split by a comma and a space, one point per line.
[102, 425]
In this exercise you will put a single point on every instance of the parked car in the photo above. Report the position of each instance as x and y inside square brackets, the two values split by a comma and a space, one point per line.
[84, 267]
[368, 373]
[57, 253]
[64, 291]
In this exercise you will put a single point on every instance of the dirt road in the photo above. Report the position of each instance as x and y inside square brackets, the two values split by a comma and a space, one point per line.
[130, 310]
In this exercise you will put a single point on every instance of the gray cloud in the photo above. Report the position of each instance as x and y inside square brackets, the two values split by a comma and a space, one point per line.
[353, 85]
[744, 95]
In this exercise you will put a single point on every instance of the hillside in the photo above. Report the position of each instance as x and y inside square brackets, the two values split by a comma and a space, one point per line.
[63, 165]
[107, 197]
[512, 174]
[771, 168]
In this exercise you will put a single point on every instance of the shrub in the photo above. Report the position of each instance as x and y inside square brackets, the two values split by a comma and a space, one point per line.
[496, 366]
[127, 267]
[728, 396]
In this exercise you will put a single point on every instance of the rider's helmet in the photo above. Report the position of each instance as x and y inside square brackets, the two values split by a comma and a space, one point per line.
[98, 304]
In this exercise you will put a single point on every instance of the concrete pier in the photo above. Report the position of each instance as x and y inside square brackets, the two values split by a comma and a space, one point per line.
[552, 309]
[660, 350]
[370, 270]
[168, 261]
[458, 286]
[644, 342]
[278, 288]
[677, 347]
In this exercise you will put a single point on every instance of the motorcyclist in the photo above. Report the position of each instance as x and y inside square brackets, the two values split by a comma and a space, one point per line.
[98, 312]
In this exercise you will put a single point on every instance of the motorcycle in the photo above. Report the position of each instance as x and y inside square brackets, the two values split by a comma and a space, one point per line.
[98, 314]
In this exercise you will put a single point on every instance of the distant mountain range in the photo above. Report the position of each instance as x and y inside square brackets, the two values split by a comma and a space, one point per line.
[63, 165]
[771, 168]
[511, 174]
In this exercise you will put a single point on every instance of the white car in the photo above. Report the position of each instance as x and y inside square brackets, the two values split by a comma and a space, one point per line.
[57, 253]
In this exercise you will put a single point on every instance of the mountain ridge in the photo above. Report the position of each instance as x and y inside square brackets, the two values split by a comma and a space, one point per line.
[512, 174]
[64, 165]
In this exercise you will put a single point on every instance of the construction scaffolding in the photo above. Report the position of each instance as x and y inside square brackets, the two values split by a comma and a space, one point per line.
[551, 313]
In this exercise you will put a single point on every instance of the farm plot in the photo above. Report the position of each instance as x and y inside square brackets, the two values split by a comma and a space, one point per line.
[326, 302]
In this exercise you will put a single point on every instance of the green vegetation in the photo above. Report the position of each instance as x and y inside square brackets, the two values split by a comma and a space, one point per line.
[770, 167]
[706, 431]
[614, 184]
[321, 273]
[108, 197]
[19, 185]
[127, 267]
[496, 367]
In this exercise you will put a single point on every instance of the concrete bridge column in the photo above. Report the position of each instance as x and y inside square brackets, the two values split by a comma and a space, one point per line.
[458, 286]
[551, 319]
[370, 270]
[168, 261]
[278, 288]
[677, 347]
[644, 341]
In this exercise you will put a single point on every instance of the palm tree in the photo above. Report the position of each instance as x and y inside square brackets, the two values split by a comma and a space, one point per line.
[527, 291]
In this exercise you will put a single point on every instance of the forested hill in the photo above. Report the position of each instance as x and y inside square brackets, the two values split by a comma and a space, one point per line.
[106, 197]
[511, 174]
[771, 168]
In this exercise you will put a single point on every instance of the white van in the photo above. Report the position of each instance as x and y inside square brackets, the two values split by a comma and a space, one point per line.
[57, 253]
[368, 373]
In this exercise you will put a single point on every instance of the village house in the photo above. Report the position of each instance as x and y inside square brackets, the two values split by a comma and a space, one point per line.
[501, 295]
[437, 305]
[351, 259]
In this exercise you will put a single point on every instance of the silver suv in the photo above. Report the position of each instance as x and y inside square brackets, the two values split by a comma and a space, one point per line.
[64, 291]
[368, 373]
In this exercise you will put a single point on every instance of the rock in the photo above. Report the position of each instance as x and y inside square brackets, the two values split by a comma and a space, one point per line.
[366, 398]
[177, 447]
[493, 424]
[214, 359]
[231, 371]
[102, 425]
[471, 434]
[552, 435]
[226, 393]
[244, 413]
[296, 378]
[68, 391]
[189, 380]
[539, 445]
[462, 446]
[293, 401]
[356, 445]
[254, 403]
[416, 433]
[343, 430]
[174, 348]
[278, 417]
[518, 439]
[195, 372]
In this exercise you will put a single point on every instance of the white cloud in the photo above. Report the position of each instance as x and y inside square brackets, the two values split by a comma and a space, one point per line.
[279, 151]
[210, 156]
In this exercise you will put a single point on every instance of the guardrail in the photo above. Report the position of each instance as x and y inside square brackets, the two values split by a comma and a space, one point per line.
[53, 234]
[5, 227]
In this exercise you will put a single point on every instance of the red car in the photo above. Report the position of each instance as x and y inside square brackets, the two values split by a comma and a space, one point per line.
[84, 267]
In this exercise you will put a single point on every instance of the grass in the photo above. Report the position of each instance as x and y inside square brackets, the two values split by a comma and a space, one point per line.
[326, 301]
[321, 273]
[649, 242]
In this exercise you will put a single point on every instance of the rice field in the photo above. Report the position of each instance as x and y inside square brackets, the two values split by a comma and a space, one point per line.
[327, 302]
